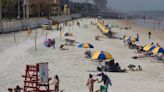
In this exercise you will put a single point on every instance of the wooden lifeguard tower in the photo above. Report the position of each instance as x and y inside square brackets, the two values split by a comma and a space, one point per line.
[36, 78]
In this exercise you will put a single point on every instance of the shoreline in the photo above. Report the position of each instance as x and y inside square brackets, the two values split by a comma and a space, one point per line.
[137, 28]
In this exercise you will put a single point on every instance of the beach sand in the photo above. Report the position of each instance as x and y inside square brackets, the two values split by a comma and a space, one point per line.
[71, 66]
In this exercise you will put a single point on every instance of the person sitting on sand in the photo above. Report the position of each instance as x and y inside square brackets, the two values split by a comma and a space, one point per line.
[131, 67]
[62, 47]
[10, 90]
[139, 68]
[88, 54]
[17, 89]
[90, 83]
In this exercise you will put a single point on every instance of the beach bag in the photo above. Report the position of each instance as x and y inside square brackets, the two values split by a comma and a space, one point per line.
[99, 69]
[103, 89]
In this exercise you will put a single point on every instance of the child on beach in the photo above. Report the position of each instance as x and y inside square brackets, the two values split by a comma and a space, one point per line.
[90, 83]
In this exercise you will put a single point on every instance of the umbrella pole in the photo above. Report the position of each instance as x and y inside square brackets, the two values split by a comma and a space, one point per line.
[35, 45]
[46, 35]
[14, 38]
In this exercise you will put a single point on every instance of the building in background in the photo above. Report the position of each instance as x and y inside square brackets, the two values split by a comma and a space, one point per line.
[101, 4]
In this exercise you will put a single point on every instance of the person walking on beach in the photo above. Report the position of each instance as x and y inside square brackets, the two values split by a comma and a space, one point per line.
[137, 39]
[149, 33]
[90, 83]
[53, 43]
[124, 40]
[56, 83]
[106, 81]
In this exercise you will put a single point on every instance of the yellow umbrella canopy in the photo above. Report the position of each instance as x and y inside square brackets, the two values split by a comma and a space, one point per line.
[155, 50]
[101, 55]
[147, 47]
[86, 45]
[158, 49]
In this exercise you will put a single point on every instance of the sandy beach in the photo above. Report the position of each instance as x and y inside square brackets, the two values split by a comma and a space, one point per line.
[71, 66]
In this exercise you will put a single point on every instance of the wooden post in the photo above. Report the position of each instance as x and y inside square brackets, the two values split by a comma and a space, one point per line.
[46, 35]
[14, 38]
[36, 34]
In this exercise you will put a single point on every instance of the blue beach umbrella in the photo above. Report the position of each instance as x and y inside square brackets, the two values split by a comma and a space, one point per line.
[152, 47]
[101, 55]
[86, 45]
[158, 50]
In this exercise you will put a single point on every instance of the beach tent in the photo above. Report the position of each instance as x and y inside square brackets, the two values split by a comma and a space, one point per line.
[48, 43]
[101, 55]
[85, 45]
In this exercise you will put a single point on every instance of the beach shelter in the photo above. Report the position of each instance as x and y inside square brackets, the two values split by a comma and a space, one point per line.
[68, 34]
[101, 55]
[48, 43]
[85, 45]
[158, 49]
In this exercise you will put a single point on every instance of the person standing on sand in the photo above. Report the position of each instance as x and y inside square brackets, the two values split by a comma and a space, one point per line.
[106, 80]
[90, 83]
[137, 39]
[56, 83]
[53, 43]
[149, 33]
[124, 40]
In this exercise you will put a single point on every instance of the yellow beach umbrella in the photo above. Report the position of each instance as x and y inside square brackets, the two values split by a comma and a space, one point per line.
[101, 55]
[147, 47]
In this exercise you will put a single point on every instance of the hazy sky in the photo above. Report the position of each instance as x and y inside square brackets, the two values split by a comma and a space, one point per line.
[135, 5]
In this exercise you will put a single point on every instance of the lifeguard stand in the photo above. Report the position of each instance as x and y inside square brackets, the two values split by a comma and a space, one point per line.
[32, 79]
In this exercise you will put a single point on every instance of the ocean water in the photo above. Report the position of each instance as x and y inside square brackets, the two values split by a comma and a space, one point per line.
[153, 19]
[150, 23]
